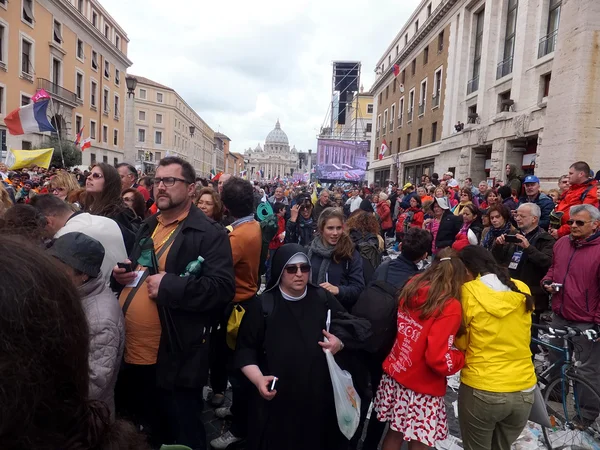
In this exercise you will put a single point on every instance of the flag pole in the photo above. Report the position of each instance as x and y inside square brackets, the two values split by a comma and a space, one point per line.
[62, 156]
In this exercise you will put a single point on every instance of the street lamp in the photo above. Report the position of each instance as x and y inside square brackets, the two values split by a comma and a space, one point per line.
[131, 83]
[192, 130]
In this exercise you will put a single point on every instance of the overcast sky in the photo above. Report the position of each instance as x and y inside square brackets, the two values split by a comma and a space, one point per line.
[241, 65]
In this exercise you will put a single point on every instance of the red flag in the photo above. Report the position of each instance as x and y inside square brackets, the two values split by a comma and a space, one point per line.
[396, 70]
[383, 149]
[78, 138]
[41, 94]
[86, 143]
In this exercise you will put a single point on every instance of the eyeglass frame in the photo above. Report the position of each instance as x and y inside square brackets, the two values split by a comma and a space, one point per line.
[300, 267]
[579, 223]
[162, 180]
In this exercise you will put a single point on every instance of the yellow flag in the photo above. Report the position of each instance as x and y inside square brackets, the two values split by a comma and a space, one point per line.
[18, 159]
[313, 197]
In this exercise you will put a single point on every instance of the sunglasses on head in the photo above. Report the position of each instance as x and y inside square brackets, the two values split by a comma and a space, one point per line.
[579, 223]
[304, 268]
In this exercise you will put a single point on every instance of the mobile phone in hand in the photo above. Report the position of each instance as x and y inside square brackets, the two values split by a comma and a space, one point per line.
[127, 266]
[512, 238]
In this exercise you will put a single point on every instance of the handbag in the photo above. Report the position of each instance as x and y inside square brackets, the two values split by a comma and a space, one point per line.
[233, 325]
[539, 412]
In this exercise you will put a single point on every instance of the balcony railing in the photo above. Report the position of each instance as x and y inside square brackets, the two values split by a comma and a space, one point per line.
[547, 44]
[473, 85]
[410, 115]
[504, 68]
[422, 109]
[400, 118]
[383, 132]
[58, 91]
[436, 100]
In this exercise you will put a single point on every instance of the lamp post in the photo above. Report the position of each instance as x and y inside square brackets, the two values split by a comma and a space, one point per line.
[131, 83]
[192, 130]
[129, 151]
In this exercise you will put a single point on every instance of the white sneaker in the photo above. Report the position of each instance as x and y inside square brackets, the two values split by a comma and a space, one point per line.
[223, 413]
[224, 441]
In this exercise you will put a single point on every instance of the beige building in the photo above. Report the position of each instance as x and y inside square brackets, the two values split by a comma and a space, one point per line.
[160, 123]
[78, 53]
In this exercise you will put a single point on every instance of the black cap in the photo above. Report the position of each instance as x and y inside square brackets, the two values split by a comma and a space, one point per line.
[366, 205]
[80, 252]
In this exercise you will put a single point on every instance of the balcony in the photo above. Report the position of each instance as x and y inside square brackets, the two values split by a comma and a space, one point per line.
[436, 100]
[383, 131]
[59, 92]
[473, 85]
[504, 68]
[421, 109]
[547, 44]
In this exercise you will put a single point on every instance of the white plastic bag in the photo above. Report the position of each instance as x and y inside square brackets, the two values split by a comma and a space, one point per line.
[347, 401]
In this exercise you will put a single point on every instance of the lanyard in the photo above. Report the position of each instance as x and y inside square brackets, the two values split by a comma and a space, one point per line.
[166, 239]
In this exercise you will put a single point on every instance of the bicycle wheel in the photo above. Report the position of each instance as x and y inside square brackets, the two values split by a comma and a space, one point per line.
[570, 404]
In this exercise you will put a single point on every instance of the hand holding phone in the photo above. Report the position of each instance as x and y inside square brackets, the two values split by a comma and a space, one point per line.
[125, 265]
[512, 238]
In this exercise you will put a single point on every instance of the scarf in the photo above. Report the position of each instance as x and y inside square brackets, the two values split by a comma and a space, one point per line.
[318, 248]
[493, 233]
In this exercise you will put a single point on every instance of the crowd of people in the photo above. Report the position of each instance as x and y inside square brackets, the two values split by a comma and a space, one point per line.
[127, 295]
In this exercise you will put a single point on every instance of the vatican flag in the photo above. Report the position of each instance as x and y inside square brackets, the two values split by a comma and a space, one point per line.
[19, 159]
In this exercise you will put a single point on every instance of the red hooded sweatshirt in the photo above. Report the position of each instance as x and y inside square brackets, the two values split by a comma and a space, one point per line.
[423, 354]
[573, 197]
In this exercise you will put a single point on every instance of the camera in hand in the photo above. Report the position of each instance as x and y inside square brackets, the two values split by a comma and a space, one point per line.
[512, 238]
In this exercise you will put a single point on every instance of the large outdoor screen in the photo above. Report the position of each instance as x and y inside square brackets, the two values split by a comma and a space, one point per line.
[341, 160]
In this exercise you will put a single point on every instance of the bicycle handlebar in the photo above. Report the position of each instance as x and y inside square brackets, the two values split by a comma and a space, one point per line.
[591, 334]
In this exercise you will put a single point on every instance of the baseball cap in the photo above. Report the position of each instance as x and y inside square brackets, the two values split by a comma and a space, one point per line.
[531, 179]
[406, 186]
[453, 183]
[80, 252]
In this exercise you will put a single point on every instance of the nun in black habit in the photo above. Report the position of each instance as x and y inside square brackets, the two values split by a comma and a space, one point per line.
[281, 336]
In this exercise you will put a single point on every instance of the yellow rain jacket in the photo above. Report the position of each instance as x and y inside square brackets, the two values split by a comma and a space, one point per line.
[496, 344]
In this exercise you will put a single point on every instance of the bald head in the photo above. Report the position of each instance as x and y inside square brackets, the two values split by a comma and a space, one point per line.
[222, 180]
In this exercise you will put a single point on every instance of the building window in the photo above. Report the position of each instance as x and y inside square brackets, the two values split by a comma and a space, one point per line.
[115, 161]
[80, 6]
[106, 31]
[159, 119]
[93, 158]
[408, 141]
[416, 26]
[143, 94]
[411, 104]
[385, 117]
[92, 129]
[437, 87]
[79, 85]
[117, 111]
[472, 114]
[400, 113]
[57, 33]
[505, 67]
[117, 76]
[105, 159]
[505, 103]
[434, 132]
[369, 127]
[57, 71]
[370, 108]
[426, 55]
[104, 134]
[94, 60]
[429, 10]
[80, 53]
[403, 77]
[394, 86]
[26, 57]
[3, 40]
[546, 84]
[27, 11]
[473, 84]
[419, 137]
[107, 70]
[548, 42]
[406, 39]
[392, 117]
[142, 116]
[422, 97]
[26, 145]
[95, 19]
[159, 97]
[158, 137]
[94, 87]
[389, 60]
[441, 42]
[117, 42]
[106, 105]
[141, 135]
[78, 122]
[378, 123]
[157, 156]
[387, 91]
[396, 50]
[25, 100]
[380, 97]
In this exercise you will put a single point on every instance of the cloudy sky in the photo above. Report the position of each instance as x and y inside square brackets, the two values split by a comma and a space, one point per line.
[241, 65]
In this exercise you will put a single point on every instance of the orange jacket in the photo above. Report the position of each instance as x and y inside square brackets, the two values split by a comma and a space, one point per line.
[572, 197]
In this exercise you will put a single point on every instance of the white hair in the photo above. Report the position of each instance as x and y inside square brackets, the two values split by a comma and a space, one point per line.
[591, 210]
[533, 208]
[324, 191]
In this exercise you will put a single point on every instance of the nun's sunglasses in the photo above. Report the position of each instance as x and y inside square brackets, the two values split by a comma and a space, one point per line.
[292, 270]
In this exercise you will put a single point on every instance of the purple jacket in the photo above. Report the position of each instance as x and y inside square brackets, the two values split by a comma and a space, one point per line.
[576, 265]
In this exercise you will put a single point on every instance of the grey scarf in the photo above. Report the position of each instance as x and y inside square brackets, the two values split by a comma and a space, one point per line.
[325, 251]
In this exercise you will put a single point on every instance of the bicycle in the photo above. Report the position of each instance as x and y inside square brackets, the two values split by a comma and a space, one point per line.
[566, 395]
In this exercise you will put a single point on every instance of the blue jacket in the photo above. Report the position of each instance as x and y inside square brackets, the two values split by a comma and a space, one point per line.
[399, 271]
[405, 203]
[546, 204]
[347, 276]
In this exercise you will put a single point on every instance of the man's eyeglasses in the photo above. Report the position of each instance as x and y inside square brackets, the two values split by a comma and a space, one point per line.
[292, 270]
[167, 181]
[579, 223]
[96, 175]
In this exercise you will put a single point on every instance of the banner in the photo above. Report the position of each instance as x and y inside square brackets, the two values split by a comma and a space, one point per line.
[18, 159]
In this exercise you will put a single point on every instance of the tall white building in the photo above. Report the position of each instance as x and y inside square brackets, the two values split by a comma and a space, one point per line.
[277, 159]
[521, 75]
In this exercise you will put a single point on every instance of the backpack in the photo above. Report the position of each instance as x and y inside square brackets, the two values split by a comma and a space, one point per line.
[378, 304]
[371, 258]
[404, 221]
[268, 228]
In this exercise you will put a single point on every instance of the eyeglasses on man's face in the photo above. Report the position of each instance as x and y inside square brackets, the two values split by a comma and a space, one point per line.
[167, 181]
[579, 223]
[292, 270]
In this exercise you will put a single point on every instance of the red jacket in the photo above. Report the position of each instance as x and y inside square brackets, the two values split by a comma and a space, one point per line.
[416, 222]
[573, 197]
[423, 354]
[276, 242]
[576, 265]
[383, 209]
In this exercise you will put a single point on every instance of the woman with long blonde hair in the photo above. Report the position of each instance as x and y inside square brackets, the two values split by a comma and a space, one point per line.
[62, 185]
[411, 393]
[336, 264]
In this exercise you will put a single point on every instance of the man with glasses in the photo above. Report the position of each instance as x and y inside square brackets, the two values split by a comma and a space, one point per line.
[179, 275]
[301, 227]
[574, 282]
[129, 178]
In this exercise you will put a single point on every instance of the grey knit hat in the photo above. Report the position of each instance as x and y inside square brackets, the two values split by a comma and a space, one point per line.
[80, 252]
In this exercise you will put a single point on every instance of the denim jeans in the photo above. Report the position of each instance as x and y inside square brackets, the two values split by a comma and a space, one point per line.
[492, 420]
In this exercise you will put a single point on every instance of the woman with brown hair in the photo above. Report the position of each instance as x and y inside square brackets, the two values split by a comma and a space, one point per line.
[134, 200]
[411, 393]
[62, 185]
[466, 198]
[5, 201]
[103, 198]
[336, 264]
[209, 201]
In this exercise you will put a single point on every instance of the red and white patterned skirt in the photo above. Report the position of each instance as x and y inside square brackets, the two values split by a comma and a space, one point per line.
[419, 417]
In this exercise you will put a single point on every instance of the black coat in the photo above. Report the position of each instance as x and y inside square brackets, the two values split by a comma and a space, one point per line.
[301, 231]
[450, 225]
[187, 304]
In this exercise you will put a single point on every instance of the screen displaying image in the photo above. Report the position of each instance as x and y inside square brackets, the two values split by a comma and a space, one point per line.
[341, 160]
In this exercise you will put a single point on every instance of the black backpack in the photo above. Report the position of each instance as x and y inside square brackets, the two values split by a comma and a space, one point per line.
[379, 305]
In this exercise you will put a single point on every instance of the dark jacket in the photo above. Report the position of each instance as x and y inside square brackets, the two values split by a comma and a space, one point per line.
[576, 265]
[300, 232]
[129, 224]
[399, 271]
[450, 225]
[510, 203]
[187, 304]
[535, 262]
[513, 180]
[318, 209]
[347, 275]
[546, 205]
